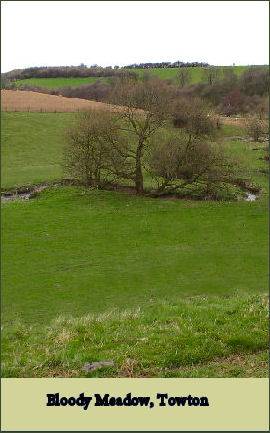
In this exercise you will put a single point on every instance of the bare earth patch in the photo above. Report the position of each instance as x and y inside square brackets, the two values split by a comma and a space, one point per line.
[234, 121]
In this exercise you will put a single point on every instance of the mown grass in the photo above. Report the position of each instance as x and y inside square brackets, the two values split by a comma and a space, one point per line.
[195, 337]
[57, 83]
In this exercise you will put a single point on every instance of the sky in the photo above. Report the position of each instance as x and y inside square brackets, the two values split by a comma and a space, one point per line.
[52, 33]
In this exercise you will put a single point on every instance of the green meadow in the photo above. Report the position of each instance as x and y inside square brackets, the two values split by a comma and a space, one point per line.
[196, 75]
[170, 288]
[57, 83]
[32, 147]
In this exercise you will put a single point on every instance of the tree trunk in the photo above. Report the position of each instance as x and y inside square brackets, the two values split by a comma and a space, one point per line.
[138, 170]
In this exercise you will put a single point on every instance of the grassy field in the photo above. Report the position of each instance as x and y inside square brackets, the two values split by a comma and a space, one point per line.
[56, 83]
[32, 147]
[172, 287]
[74, 251]
[197, 75]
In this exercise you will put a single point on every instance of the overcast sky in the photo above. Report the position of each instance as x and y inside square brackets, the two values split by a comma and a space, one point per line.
[51, 33]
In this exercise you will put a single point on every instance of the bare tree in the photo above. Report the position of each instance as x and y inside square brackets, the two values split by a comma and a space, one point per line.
[95, 151]
[229, 76]
[256, 128]
[211, 74]
[177, 162]
[145, 108]
[195, 116]
[183, 77]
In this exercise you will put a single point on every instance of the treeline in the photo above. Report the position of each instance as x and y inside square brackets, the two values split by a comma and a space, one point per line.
[177, 64]
[232, 94]
[62, 71]
[228, 92]
[92, 71]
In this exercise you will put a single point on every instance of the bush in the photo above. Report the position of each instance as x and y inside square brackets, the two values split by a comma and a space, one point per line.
[255, 128]
[194, 115]
[178, 163]
[94, 150]
[255, 81]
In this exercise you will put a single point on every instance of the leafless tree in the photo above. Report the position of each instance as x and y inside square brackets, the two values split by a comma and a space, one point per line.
[178, 162]
[255, 128]
[195, 116]
[183, 77]
[95, 151]
[211, 74]
[145, 108]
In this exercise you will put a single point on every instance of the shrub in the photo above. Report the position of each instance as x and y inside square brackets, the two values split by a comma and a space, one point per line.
[94, 150]
[183, 77]
[255, 81]
[179, 162]
[255, 128]
[194, 115]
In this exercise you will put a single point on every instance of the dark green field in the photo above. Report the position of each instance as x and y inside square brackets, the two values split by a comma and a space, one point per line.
[177, 287]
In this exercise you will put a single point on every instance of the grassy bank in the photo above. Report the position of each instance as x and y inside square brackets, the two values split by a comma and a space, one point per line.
[195, 337]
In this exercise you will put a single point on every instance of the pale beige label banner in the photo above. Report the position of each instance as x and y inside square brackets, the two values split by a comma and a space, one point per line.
[234, 404]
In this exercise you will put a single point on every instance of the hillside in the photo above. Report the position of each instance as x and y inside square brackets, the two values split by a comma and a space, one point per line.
[197, 75]
[15, 100]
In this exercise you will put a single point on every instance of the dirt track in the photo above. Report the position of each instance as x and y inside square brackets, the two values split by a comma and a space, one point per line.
[20, 100]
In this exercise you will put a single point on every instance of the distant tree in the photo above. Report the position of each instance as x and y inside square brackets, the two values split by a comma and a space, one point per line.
[232, 103]
[255, 128]
[229, 76]
[195, 116]
[255, 81]
[183, 77]
[211, 74]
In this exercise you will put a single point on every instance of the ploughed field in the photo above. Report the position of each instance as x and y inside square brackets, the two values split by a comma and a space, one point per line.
[20, 100]
[160, 287]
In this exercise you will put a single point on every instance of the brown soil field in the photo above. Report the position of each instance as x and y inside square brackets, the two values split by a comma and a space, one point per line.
[20, 100]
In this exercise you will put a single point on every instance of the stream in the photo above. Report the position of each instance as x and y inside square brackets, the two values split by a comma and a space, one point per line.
[29, 193]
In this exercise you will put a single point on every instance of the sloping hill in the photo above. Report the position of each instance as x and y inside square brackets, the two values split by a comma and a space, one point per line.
[19, 100]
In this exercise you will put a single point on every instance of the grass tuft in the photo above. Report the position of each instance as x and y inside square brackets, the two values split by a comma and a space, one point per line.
[160, 339]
